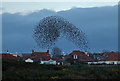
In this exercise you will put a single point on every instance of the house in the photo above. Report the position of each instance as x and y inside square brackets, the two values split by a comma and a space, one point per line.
[79, 57]
[43, 58]
[113, 58]
[49, 62]
[99, 58]
[96, 56]
[29, 60]
[109, 58]
[26, 56]
[39, 57]
[10, 56]
[59, 59]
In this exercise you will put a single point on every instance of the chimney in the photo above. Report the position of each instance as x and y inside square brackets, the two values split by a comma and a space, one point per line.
[7, 51]
[15, 54]
[32, 51]
[62, 56]
[86, 53]
[48, 51]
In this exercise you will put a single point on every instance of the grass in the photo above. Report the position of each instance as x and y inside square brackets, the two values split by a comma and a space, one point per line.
[13, 70]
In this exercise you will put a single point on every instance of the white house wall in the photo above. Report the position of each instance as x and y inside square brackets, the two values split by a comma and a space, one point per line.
[48, 62]
[29, 60]
[110, 62]
[106, 62]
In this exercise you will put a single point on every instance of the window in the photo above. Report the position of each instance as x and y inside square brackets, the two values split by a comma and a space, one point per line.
[75, 57]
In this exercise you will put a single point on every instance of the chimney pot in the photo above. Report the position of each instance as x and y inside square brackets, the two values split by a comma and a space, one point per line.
[7, 51]
[47, 51]
[32, 51]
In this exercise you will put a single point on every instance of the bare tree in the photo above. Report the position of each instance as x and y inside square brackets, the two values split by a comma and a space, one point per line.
[56, 51]
[106, 51]
[51, 28]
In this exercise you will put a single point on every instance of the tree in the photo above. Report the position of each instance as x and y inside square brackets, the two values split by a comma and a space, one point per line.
[106, 51]
[51, 28]
[70, 60]
[56, 51]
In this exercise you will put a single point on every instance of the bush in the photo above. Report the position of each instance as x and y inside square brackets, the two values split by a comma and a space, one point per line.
[13, 70]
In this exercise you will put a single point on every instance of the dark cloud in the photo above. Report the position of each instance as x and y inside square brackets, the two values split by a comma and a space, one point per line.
[99, 24]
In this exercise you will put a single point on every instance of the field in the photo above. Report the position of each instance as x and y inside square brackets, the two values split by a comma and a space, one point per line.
[12, 70]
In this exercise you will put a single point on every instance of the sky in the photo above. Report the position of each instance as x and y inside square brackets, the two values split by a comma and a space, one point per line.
[60, 0]
[31, 12]
[27, 7]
